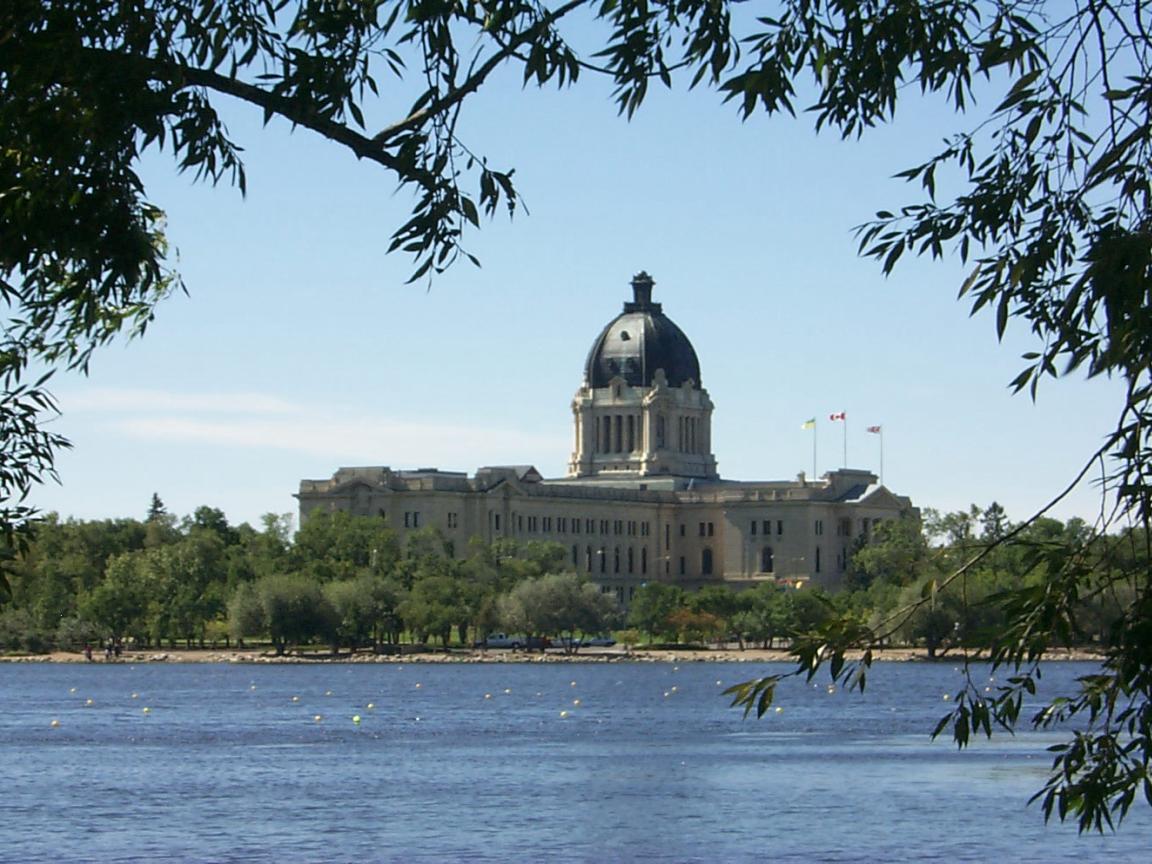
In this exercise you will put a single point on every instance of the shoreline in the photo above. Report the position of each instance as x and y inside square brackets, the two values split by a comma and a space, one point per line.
[497, 656]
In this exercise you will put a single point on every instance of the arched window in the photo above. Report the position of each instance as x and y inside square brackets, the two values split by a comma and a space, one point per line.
[766, 563]
[706, 562]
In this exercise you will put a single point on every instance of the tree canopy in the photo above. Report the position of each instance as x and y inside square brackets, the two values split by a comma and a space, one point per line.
[1042, 190]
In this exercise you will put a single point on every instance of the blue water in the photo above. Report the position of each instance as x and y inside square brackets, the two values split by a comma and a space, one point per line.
[476, 763]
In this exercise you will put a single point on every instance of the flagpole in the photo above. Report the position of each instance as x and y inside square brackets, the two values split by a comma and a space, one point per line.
[881, 455]
[813, 451]
[845, 443]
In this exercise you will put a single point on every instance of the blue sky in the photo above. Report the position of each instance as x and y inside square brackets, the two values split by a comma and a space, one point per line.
[300, 349]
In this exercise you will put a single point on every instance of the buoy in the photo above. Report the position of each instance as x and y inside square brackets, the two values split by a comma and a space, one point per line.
[418, 685]
[55, 724]
[831, 689]
[575, 701]
[573, 684]
[327, 692]
[675, 668]
[719, 683]
[147, 710]
[71, 689]
[487, 695]
[253, 687]
[295, 698]
[135, 695]
[90, 702]
[356, 719]
[370, 706]
[779, 710]
[317, 718]
[946, 697]
[674, 688]
[507, 689]
[563, 713]
[666, 694]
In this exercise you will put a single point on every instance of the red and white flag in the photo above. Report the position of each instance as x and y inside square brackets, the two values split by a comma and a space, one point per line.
[875, 430]
[838, 416]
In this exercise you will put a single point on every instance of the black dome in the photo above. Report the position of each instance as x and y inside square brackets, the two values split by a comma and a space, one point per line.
[639, 341]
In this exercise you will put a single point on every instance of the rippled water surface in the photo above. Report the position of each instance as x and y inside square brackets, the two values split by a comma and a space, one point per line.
[510, 763]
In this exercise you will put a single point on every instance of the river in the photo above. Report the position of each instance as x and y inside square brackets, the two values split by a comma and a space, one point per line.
[585, 762]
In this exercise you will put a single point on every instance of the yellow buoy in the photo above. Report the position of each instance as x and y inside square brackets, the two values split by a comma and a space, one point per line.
[90, 702]
[563, 713]
[370, 706]
[674, 688]
[55, 724]
[356, 719]
[779, 710]
[147, 710]
[946, 697]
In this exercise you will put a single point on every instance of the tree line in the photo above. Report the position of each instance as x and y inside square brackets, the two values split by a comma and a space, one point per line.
[347, 582]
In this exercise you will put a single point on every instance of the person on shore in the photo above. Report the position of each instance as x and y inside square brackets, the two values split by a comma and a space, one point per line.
[108, 651]
[87, 652]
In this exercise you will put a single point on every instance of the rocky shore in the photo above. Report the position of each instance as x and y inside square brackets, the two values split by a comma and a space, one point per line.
[587, 655]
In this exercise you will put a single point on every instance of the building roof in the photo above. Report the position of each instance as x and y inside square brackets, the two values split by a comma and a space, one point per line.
[640, 340]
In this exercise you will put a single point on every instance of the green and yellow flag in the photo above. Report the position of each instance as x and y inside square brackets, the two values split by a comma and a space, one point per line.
[809, 424]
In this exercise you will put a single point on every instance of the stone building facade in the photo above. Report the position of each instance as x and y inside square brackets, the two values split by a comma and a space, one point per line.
[642, 500]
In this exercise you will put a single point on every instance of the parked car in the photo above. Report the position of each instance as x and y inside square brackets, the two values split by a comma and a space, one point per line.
[501, 640]
[515, 642]
[598, 641]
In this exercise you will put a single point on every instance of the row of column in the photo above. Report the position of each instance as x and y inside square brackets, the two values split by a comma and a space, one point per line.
[626, 433]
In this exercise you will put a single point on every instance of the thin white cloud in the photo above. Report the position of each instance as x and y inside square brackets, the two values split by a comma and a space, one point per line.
[259, 421]
[153, 401]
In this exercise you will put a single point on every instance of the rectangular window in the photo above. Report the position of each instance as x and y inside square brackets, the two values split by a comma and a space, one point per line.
[681, 530]
[817, 559]
[701, 529]
[819, 527]
[497, 515]
[589, 526]
[779, 527]
[407, 519]
[710, 530]
[452, 520]
[603, 526]
[767, 526]
[753, 527]
[667, 536]
[682, 565]
[547, 524]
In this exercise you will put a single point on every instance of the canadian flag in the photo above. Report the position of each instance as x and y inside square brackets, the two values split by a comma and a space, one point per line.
[839, 416]
[875, 430]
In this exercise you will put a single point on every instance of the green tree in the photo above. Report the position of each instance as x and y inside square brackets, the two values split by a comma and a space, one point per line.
[556, 604]
[651, 607]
